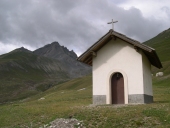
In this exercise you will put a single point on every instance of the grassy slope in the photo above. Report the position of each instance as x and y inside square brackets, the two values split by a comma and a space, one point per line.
[58, 102]
[20, 78]
[66, 100]
[162, 45]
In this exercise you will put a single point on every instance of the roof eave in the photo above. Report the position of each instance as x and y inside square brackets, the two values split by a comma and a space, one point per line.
[158, 64]
[86, 57]
[87, 53]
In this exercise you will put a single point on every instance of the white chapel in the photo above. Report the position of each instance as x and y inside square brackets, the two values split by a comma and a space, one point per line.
[121, 69]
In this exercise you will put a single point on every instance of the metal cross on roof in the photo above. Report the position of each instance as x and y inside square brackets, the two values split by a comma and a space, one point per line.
[112, 22]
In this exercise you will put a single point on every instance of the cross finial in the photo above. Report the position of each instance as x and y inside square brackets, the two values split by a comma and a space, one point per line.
[112, 22]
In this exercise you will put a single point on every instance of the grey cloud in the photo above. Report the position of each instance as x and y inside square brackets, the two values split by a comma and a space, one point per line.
[136, 26]
[77, 25]
[166, 10]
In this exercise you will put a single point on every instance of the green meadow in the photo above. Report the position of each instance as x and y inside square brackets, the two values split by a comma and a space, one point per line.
[73, 99]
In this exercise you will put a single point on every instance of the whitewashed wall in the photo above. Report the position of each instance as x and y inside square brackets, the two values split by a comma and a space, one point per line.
[117, 56]
[147, 77]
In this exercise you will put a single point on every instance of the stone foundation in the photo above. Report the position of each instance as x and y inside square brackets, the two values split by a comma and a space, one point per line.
[134, 98]
[99, 99]
[140, 98]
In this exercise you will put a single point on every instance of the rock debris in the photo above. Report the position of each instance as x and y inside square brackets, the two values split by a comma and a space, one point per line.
[66, 123]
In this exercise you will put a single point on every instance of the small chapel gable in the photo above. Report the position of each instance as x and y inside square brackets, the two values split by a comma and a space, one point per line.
[121, 69]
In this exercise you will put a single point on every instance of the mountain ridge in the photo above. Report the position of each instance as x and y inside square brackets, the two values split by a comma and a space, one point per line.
[43, 51]
[66, 57]
[24, 73]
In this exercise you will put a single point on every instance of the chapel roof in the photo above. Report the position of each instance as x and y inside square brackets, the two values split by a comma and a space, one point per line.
[151, 54]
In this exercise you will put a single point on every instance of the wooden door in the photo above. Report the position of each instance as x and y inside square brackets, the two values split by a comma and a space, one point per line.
[117, 88]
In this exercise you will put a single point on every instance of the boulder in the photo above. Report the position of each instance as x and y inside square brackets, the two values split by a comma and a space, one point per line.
[159, 74]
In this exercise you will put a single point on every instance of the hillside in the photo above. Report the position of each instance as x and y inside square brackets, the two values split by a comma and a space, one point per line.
[24, 73]
[73, 99]
[161, 43]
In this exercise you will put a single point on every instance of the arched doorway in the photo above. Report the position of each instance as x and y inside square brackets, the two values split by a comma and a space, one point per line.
[117, 89]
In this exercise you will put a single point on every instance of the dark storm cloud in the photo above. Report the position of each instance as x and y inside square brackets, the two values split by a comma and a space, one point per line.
[76, 25]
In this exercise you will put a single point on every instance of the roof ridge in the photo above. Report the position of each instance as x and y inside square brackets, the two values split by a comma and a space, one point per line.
[149, 52]
[126, 36]
[133, 40]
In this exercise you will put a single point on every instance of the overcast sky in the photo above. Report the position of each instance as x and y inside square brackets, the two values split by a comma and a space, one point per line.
[77, 24]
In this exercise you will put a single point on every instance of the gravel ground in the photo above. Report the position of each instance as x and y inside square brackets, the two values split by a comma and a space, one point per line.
[66, 123]
[74, 123]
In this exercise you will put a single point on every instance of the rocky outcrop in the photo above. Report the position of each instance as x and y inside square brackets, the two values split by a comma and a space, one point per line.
[65, 123]
[159, 74]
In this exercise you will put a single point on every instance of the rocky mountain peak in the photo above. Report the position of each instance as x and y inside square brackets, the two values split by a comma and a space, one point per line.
[55, 43]
[21, 49]
[55, 51]
[66, 57]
